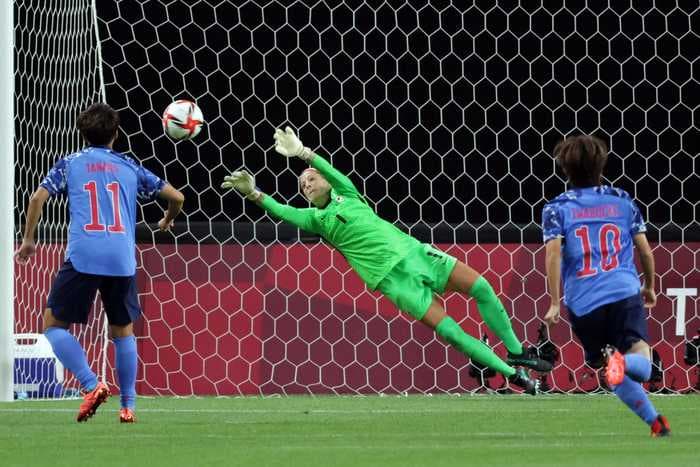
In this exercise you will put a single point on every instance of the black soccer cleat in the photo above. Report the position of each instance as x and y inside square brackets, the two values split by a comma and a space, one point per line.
[529, 358]
[522, 379]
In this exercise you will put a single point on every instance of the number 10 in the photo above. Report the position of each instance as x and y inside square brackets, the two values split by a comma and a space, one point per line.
[608, 257]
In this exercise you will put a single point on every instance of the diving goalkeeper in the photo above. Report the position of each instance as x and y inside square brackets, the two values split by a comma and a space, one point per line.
[408, 272]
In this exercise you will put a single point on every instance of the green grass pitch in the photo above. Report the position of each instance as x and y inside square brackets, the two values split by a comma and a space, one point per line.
[417, 430]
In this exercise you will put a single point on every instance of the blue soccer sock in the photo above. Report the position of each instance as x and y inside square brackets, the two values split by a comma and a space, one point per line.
[71, 354]
[633, 395]
[637, 367]
[126, 362]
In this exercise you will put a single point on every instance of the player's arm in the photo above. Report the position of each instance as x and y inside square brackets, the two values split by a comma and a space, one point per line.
[646, 258]
[289, 145]
[175, 200]
[244, 183]
[150, 186]
[55, 183]
[340, 182]
[552, 229]
[553, 271]
[36, 206]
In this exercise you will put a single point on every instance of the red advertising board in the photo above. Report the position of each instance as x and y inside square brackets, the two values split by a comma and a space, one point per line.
[277, 318]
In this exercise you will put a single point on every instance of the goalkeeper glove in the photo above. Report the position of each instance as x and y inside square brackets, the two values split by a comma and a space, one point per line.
[244, 183]
[289, 145]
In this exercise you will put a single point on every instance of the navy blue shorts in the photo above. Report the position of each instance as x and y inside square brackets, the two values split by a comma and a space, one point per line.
[620, 323]
[73, 293]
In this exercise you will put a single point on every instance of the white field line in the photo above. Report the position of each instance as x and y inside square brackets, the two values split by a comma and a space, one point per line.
[234, 411]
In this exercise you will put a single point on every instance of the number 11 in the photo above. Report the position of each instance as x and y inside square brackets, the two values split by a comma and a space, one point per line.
[94, 225]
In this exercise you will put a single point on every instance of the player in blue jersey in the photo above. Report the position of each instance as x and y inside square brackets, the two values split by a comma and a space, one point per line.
[590, 231]
[102, 187]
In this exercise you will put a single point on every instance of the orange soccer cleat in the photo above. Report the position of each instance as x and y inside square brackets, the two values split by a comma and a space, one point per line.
[91, 401]
[615, 366]
[660, 427]
[126, 415]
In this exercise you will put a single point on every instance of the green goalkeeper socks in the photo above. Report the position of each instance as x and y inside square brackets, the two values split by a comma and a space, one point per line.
[453, 334]
[494, 315]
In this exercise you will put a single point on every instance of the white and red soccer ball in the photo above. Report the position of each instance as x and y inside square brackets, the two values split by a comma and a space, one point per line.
[182, 120]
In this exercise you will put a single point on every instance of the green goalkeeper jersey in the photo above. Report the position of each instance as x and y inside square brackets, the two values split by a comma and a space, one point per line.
[371, 245]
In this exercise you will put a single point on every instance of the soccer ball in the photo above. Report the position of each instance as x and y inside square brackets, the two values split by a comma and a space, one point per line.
[182, 120]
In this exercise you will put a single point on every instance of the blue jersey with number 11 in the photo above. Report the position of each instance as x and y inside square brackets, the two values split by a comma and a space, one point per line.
[102, 186]
[597, 226]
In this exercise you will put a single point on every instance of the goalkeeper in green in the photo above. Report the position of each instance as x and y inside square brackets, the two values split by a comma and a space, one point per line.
[408, 272]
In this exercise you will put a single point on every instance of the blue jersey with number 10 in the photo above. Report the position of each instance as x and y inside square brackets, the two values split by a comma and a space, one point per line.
[597, 226]
[102, 186]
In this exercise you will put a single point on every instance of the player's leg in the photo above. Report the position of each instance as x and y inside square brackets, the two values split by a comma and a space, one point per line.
[452, 333]
[627, 318]
[611, 324]
[70, 300]
[120, 300]
[126, 360]
[638, 361]
[410, 284]
[631, 392]
[68, 350]
[467, 280]
[637, 369]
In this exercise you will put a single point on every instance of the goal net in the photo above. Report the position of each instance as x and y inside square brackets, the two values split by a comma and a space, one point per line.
[57, 74]
[444, 116]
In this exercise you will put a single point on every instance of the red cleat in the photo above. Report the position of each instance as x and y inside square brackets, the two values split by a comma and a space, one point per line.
[126, 415]
[91, 401]
[660, 427]
[615, 366]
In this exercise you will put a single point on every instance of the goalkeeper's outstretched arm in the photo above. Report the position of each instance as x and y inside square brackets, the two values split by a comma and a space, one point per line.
[289, 145]
[244, 183]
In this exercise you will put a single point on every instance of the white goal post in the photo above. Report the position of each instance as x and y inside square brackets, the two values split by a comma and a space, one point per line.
[7, 203]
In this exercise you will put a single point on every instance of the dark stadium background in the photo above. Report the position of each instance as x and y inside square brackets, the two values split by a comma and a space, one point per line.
[444, 117]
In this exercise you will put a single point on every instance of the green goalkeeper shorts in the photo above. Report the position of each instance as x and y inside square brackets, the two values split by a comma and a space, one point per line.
[410, 284]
